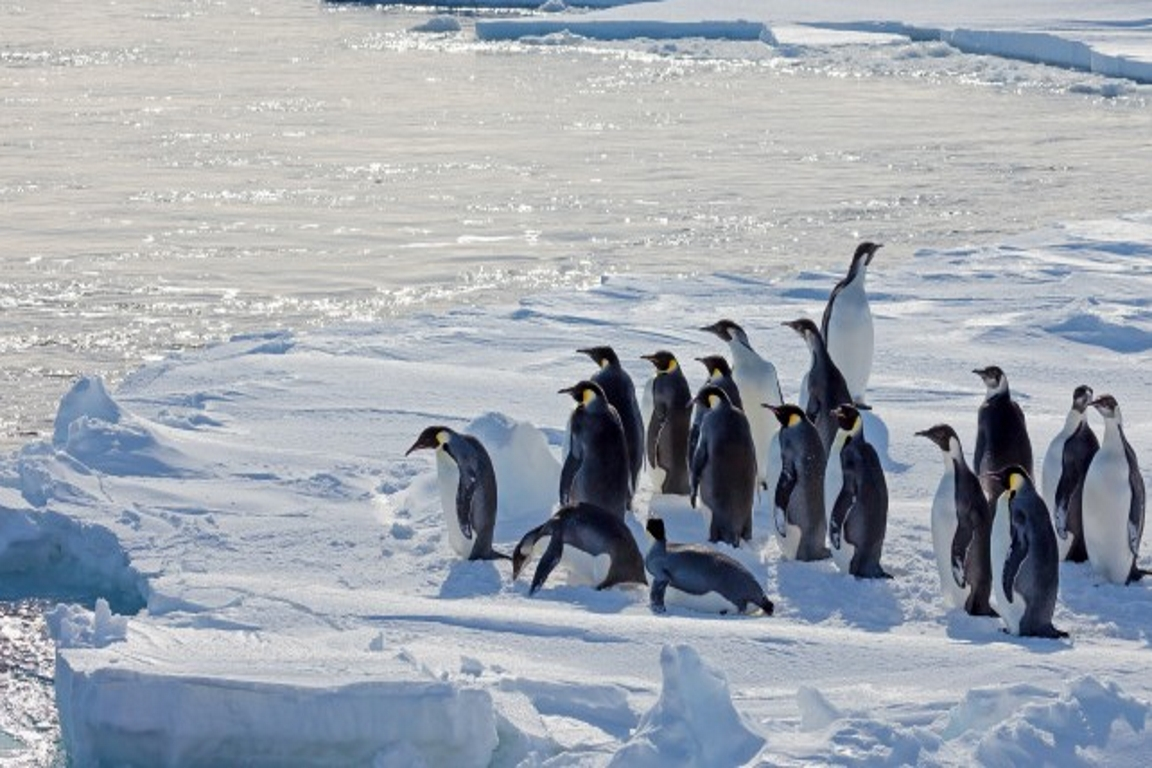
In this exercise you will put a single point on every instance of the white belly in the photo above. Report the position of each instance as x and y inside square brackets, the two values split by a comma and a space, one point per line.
[850, 340]
[843, 554]
[580, 568]
[833, 478]
[448, 477]
[773, 468]
[1107, 498]
[790, 541]
[757, 381]
[709, 602]
[944, 526]
[1010, 613]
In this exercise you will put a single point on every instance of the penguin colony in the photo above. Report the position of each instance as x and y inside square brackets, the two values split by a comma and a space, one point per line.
[997, 536]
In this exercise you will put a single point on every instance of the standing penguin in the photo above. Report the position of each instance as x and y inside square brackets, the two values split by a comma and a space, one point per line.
[1065, 463]
[621, 394]
[961, 529]
[1001, 435]
[860, 512]
[826, 388]
[467, 490]
[699, 578]
[720, 375]
[758, 383]
[596, 469]
[668, 412]
[847, 324]
[724, 468]
[1025, 559]
[1114, 501]
[798, 508]
[593, 545]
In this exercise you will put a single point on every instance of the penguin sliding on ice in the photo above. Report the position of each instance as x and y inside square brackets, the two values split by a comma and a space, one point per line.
[798, 503]
[1025, 558]
[596, 469]
[1114, 501]
[699, 578]
[825, 385]
[594, 546]
[1062, 482]
[961, 529]
[724, 468]
[621, 394]
[467, 490]
[668, 415]
[1001, 433]
[719, 375]
[860, 512]
[758, 383]
[847, 324]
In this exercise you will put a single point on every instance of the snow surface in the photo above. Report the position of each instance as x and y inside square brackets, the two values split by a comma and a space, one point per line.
[302, 602]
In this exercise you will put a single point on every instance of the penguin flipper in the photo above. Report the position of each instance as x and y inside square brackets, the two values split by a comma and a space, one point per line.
[784, 487]
[465, 492]
[548, 562]
[652, 436]
[1136, 505]
[568, 473]
[962, 543]
[840, 511]
[1017, 552]
[699, 461]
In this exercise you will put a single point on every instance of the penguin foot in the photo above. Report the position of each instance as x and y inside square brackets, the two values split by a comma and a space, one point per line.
[1137, 574]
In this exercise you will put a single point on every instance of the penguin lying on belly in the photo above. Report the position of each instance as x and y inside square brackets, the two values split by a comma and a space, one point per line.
[700, 578]
[593, 545]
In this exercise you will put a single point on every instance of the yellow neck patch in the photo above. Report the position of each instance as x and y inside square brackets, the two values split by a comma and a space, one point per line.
[794, 419]
[1015, 481]
[588, 396]
[713, 401]
[442, 437]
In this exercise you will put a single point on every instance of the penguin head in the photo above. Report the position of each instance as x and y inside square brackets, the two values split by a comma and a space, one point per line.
[522, 554]
[655, 528]
[664, 361]
[717, 366]
[711, 396]
[865, 253]
[942, 435]
[1082, 398]
[727, 330]
[994, 379]
[788, 414]
[1014, 478]
[432, 437]
[602, 356]
[584, 392]
[806, 328]
[848, 417]
[1107, 406]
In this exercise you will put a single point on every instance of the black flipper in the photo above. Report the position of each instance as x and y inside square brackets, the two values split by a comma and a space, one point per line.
[549, 561]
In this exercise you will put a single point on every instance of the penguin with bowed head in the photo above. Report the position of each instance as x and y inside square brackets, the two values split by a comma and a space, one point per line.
[961, 528]
[758, 382]
[1001, 433]
[467, 484]
[699, 578]
[1062, 481]
[719, 375]
[596, 468]
[621, 394]
[826, 388]
[1025, 559]
[798, 503]
[724, 469]
[592, 545]
[1114, 496]
[846, 326]
[668, 413]
[860, 513]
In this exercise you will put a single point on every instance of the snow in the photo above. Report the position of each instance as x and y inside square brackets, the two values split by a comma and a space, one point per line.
[270, 576]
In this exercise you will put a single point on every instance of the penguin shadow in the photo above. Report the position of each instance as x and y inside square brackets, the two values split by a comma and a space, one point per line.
[471, 578]
[818, 591]
[876, 433]
[1119, 610]
[615, 599]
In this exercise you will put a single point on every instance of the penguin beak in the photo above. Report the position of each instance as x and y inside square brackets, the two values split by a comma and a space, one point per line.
[872, 254]
[421, 442]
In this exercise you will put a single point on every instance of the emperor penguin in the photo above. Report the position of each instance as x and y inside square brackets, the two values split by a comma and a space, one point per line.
[860, 512]
[720, 375]
[699, 578]
[1025, 559]
[961, 529]
[668, 412]
[826, 388]
[621, 394]
[467, 490]
[798, 502]
[1001, 434]
[594, 546]
[1114, 501]
[758, 383]
[596, 468]
[847, 324]
[723, 472]
[1062, 482]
